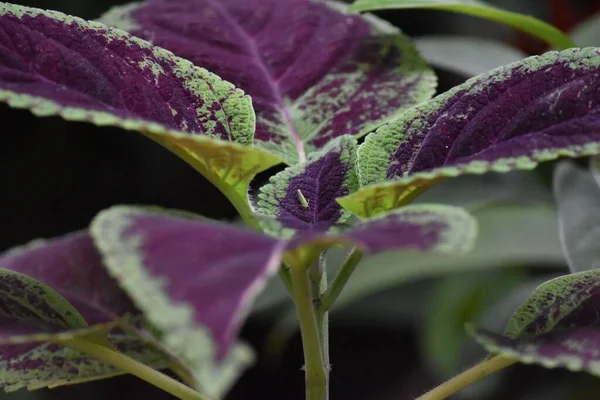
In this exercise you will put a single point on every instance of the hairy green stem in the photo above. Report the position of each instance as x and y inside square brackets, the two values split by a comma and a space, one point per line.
[340, 280]
[468, 377]
[129, 365]
[316, 375]
[319, 282]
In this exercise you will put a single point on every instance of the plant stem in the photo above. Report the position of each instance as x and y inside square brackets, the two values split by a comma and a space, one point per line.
[127, 364]
[316, 376]
[341, 278]
[320, 286]
[468, 377]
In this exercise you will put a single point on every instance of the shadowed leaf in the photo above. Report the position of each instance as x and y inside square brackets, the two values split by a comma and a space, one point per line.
[54, 64]
[303, 197]
[475, 8]
[578, 202]
[511, 118]
[313, 71]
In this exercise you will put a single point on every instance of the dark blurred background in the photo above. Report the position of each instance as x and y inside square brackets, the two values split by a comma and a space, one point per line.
[56, 176]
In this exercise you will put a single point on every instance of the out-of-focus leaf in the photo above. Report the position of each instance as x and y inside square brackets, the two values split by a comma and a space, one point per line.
[587, 33]
[578, 202]
[456, 300]
[466, 56]
[514, 117]
[475, 8]
[314, 72]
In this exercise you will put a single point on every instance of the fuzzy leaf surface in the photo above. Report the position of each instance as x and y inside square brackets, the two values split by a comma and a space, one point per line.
[513, 117]
[334, 73]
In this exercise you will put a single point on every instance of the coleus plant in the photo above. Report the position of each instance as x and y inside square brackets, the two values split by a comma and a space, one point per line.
[234, 88]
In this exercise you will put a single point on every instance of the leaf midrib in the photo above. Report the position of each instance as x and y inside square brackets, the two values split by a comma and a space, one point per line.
[273, 85]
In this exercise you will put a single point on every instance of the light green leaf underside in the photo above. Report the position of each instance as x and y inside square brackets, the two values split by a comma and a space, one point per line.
[26, 288]
[476, 8]
[227, 165]
[186, 339]
[553, 301]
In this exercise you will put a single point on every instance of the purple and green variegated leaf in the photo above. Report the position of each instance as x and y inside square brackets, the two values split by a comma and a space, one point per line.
[72, 266]
[153, 255]
[576, 349]
[513, 117]
[30, 365]
[54, 64]
[561, 303]
[314, 72]
[303, 197]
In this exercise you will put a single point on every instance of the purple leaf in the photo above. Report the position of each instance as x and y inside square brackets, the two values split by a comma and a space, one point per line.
[54, 64]
[576, 349]
[511, 118]
[72, 266]
[313, 71]
[302, 197]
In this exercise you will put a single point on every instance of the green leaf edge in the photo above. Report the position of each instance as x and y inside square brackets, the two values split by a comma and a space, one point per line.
[191, 340]
[518, 21]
